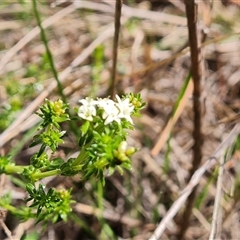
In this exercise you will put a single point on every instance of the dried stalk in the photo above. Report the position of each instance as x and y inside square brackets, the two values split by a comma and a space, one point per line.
[118, 10]
[192, 15]
[217, 211]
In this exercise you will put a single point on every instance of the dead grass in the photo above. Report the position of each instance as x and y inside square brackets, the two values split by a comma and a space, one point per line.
[153, 59]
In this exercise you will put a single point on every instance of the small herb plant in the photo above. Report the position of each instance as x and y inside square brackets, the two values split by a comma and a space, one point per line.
[102, 150]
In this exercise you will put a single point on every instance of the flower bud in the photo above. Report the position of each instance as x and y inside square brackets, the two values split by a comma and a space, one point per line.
[130, 151]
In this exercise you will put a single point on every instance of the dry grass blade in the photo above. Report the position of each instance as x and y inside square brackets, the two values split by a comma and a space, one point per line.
[151, 15]
[107, 214]
[6, 230]
[155, 16]
[166, 131]
[217, 216]
[178, 4]
[196, 177]
[9, 25]
[174, 56]
[201, 219]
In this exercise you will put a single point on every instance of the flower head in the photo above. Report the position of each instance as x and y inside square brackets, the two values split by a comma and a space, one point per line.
[111, 114]
[87, 111]
[110, 111]
[125, 108]
[105, 103]
[58, 107]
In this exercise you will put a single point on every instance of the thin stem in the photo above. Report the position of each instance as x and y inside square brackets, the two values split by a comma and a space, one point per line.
[83, 225]
[49, 54]
[118, 10]
[10, 169]
[51, 61]
[81, 156]
[217, 210]
[41, 175]
[100, 196]
[196, 68]
[9, 207]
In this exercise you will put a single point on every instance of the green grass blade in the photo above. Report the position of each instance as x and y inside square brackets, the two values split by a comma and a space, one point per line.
[180, 97]
[49, 54]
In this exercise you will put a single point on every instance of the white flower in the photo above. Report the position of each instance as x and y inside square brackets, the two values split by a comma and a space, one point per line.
[87, 110]
[110, 111]
[125, 108]
[110, 114]
[88, 101]
[105, 103]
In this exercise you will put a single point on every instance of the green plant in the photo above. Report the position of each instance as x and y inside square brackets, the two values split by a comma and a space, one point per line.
[102, 144]
[16, 95]
[97, 68]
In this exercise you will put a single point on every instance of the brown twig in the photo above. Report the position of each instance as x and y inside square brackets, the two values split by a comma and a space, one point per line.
[192, 15]
[117, 23]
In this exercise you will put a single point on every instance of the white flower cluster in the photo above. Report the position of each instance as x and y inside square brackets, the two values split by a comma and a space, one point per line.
[112, 111]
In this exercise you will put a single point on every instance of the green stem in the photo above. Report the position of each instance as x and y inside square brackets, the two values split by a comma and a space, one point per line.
[17, 181]
[49, 54]
[51, 61]
[82, 155]
[83, 225]
[41, 175]
[10, 169]
[9, 207]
